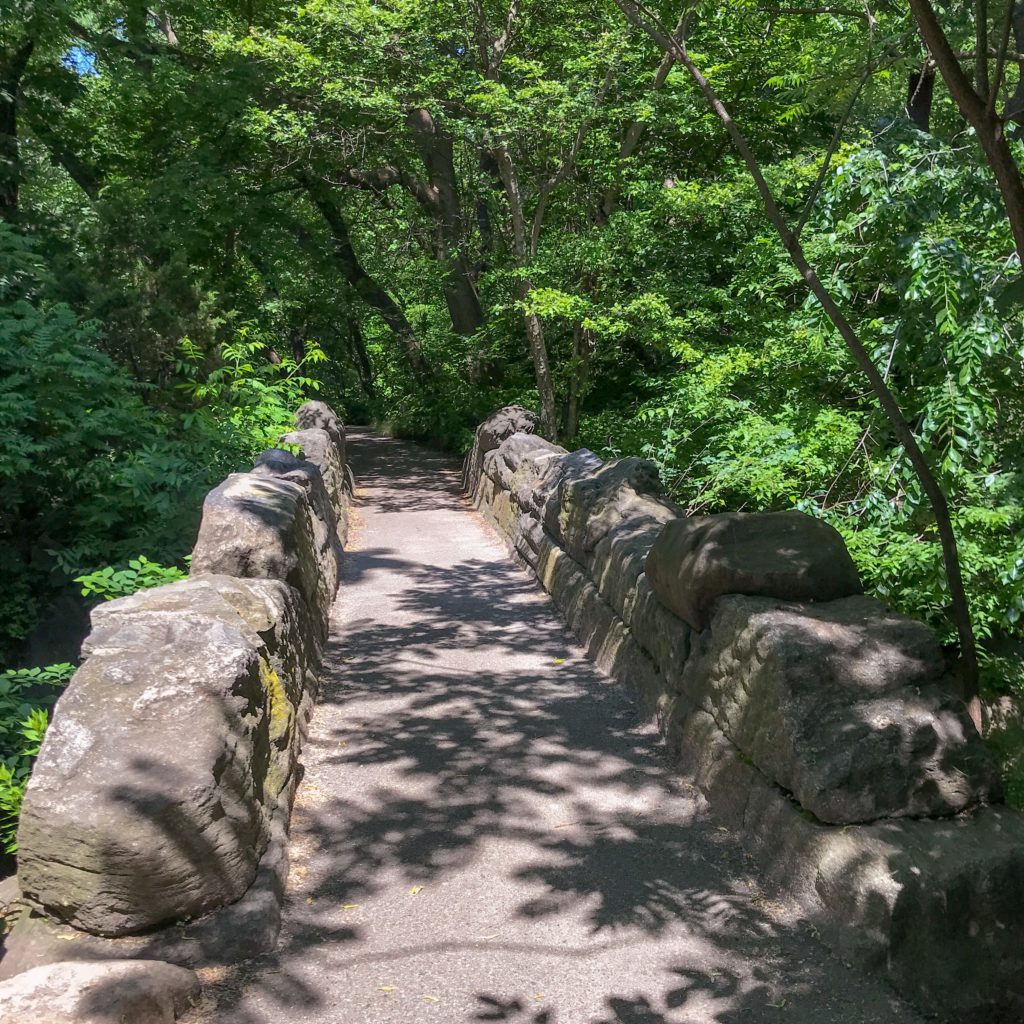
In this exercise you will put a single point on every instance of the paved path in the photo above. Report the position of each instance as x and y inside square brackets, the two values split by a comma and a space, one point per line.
[485, 833]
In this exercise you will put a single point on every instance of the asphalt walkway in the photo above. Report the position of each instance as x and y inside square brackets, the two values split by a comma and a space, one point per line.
[486, 833]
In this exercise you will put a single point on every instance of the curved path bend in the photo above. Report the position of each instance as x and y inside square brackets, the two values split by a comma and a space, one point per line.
[486, 833]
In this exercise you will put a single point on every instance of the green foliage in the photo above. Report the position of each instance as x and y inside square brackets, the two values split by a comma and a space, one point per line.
[139, 574]
[91, 470]
[245, 402]
[173, 293]
[26, 695]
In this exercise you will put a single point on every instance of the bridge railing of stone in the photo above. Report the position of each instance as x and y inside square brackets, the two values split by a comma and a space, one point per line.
[160, 799]
[817, 721]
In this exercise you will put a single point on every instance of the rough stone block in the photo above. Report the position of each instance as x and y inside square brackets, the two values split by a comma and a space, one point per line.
[936, 905]
[535, 479]
[151, 796]
[663, 636]
[594, 503]
[512, 419]
[555, 475]
[318, 415]
[772, 554]
[618, 558]
[319, 451]
[323, 508]
[844, 705]
[260, 527]
[509, 456]
[99, 992]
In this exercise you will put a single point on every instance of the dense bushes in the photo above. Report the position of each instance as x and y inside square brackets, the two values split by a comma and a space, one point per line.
[96, 467]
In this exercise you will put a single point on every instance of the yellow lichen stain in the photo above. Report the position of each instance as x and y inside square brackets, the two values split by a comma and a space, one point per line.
[279, 707]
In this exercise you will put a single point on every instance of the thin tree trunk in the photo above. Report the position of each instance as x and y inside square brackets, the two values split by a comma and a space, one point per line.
[1015, 105]
[534, 328]
[582, 350]
[890, 406]
[436, 150]
[981, 46]
[363, 284]
[634, 134]
[360, 357]
[920, 92]
[13, 61]
[987, 124]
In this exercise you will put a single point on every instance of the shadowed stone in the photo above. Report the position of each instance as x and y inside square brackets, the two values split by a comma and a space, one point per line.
[502, 464]
[773, 554]
[319, 451]
[842, 704]
[554, 475]
[258, 526]
[151, 796]
[592, 504]
[512, 419]
[318, 415]
[99, 992]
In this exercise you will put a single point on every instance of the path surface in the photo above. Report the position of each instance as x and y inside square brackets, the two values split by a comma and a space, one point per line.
[485, 833]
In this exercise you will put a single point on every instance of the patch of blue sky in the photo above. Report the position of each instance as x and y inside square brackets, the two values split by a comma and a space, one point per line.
[81, 61]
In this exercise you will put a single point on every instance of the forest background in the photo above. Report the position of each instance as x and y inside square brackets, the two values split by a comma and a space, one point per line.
[421, 210]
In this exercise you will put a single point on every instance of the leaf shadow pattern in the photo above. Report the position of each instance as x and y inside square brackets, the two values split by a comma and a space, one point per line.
[464, 749]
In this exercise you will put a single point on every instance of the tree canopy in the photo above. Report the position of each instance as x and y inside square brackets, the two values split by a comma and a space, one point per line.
[429, 208]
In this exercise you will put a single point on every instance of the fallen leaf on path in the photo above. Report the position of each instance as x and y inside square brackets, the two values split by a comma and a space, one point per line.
[559, 661]
[432, 999]
[389, 988]
[416, 889]
[349, 906]
[309, 899]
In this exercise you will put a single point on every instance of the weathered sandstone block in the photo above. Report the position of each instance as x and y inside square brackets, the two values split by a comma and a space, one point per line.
[842, 704]
[773, 554]
[935, 905]
[99, 992]
[661, 634]
[320, 416]
[591, 504]
[257, 526]
[617, 560]
[555, 475]
[502, 464]
[150, 800]
[320, 452]
[512, 419]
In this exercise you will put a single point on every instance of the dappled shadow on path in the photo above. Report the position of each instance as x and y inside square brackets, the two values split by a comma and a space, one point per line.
[463, 745]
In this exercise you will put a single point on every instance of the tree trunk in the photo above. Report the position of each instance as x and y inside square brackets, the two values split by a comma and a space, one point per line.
[365, 286]
[920, 91]
[360, 357]
[634, 134]
[582, 350]
[436, 150]
[1015, 105]
[13, 61]
[534, 328]
[980, 115]
[886, 399]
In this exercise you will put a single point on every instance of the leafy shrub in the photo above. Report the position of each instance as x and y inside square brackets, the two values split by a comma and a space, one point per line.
[90, 470]
[139, 574]
[26, 695]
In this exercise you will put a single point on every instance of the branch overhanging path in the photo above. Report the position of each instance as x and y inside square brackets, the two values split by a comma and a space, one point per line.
[643, 18]
[485, 831]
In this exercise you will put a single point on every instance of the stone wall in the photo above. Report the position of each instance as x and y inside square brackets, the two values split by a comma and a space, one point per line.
[161, 795]
[816, 720]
